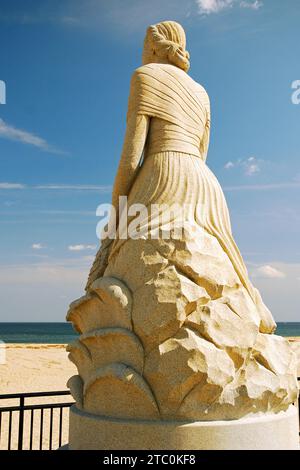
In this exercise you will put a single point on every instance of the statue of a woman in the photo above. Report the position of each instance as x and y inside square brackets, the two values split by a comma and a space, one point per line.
[172, 327]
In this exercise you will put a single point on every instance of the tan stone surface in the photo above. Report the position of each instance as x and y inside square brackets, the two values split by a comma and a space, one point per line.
[181, 364]
[295, 345]
[261, 432]
[110, 390]
[172, 328]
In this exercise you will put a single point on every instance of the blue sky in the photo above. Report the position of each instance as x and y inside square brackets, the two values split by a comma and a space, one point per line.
[67, 66]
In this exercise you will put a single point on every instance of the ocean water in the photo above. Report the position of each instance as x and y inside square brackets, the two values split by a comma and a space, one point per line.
[60, 333]
[51, 333]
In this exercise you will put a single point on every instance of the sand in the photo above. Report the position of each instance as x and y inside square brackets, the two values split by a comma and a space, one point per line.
[35, 368]
[39, 368]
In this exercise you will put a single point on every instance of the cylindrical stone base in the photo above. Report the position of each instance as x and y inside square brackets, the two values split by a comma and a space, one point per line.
[270, 431]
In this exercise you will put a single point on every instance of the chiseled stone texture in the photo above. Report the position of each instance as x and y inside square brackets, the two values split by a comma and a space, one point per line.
[166, 348]
[172, 328]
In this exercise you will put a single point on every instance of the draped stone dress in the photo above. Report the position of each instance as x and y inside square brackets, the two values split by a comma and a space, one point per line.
[208, 351]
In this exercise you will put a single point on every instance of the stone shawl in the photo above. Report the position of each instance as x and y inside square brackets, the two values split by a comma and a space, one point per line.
[166, 92]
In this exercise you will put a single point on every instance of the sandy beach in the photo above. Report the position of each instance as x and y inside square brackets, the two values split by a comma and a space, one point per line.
[39, 368]
[35, 368]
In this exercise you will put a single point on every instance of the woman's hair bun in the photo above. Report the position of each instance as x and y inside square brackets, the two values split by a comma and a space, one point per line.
[167, 40]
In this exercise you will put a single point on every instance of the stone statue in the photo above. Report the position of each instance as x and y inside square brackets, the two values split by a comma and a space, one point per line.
[171, 328]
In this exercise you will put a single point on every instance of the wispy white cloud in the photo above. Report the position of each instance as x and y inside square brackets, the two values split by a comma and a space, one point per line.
[279, 289]
[267, 271]
[263, 187]
[81, 247]
[207, 7]
[255, 5]
[105, 189]
[250, 166]
[12, 186]
[76, 187]
[37, 246]
[12, 133]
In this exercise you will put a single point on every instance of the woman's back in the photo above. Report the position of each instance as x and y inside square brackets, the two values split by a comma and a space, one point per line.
[177, 105]
[164, 136]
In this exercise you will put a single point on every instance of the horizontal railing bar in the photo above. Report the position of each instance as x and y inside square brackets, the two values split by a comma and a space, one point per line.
[37, 407]
[35, 394]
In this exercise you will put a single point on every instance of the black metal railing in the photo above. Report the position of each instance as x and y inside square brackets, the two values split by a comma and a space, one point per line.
[24, 425]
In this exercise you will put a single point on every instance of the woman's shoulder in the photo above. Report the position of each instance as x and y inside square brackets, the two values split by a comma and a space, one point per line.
[157, 69]
[153, 73]
[148, 69]
[158, 76]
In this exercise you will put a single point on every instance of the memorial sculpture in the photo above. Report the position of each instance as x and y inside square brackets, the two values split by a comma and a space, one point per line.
[171, 328]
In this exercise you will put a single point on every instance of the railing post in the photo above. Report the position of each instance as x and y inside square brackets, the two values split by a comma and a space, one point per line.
[21, 423]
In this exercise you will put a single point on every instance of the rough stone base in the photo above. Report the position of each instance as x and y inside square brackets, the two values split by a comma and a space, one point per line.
[272, 431]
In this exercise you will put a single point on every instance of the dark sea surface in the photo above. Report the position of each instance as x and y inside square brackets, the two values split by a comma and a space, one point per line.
[59, 333]
[51, 333]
